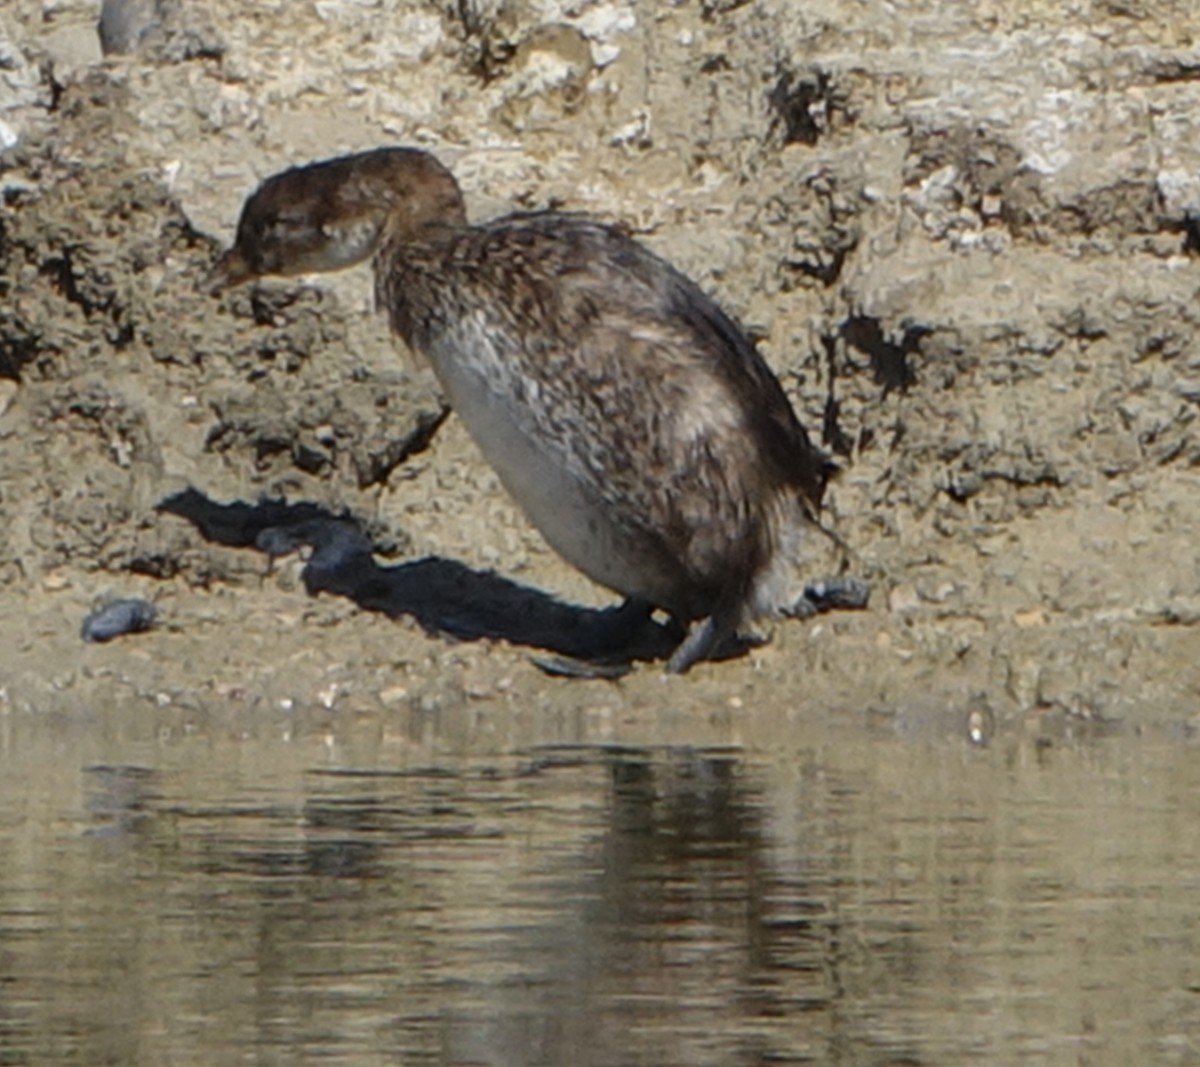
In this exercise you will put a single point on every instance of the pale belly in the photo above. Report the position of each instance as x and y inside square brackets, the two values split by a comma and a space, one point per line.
[536, 472]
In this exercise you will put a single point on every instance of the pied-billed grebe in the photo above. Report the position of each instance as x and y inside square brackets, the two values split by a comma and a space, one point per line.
[635, 424]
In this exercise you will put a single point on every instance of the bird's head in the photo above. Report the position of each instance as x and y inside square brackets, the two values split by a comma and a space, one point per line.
[330, 215]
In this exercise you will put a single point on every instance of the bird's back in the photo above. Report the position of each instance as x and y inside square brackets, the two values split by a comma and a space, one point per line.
[622, 372]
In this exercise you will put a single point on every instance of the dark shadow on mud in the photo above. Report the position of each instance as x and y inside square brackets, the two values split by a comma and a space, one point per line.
[444, 596]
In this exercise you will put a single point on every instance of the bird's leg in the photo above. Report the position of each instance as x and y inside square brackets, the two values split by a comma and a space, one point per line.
[703, 639]
[698, 644]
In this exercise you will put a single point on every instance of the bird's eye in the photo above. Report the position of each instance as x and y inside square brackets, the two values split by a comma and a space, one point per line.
[288, 224]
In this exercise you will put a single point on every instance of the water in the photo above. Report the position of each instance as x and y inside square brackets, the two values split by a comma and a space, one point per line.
[350, 893]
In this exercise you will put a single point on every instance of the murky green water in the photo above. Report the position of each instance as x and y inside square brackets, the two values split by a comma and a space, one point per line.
[340, 894]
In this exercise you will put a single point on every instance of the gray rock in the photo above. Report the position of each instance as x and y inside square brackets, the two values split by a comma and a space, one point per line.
[120, 617]
[125, 23]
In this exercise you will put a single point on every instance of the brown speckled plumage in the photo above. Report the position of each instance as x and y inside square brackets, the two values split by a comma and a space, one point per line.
[628, 415]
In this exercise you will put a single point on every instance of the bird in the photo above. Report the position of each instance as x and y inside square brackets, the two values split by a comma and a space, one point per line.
[628, 415]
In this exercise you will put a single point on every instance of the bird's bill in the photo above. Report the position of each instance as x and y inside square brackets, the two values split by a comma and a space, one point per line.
[230, 270]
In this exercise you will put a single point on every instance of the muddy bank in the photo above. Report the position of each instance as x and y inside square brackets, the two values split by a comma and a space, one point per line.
[967, 243]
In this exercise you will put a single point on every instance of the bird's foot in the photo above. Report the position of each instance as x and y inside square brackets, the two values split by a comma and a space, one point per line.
[841, 592]
[571, 667]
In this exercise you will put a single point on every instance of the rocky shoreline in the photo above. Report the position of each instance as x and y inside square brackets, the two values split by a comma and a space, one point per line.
[967, 242]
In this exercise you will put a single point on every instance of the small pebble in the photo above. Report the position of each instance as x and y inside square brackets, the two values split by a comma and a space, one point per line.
[981, 725]
[120, 617]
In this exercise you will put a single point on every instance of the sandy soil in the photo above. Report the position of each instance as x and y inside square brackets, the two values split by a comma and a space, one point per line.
[966, 236]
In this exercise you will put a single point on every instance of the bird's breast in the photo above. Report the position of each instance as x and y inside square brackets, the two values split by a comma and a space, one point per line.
[512, 414]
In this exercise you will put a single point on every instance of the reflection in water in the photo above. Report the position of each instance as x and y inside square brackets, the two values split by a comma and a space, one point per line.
[866, 902]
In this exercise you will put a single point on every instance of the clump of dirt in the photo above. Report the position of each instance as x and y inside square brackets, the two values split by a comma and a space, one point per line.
[967, 244]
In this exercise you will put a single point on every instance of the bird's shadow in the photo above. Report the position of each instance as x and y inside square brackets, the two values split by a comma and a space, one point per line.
[443, 595]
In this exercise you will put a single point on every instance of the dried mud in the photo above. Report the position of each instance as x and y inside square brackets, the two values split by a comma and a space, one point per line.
[966, 240]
